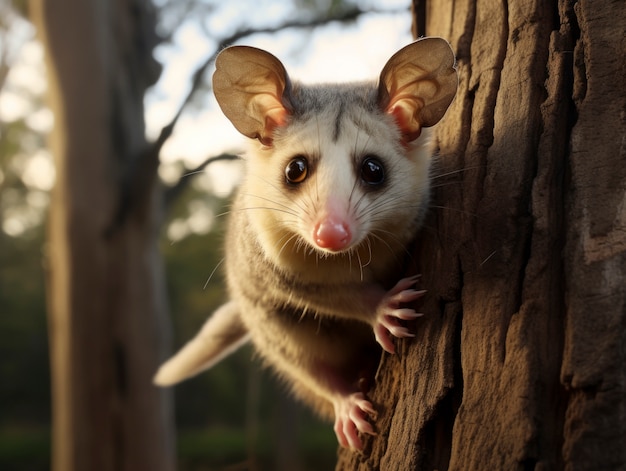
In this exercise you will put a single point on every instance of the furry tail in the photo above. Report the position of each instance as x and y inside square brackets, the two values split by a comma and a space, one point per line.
[221, 335]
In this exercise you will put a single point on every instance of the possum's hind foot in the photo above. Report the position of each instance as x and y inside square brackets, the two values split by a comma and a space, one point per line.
[351, 417]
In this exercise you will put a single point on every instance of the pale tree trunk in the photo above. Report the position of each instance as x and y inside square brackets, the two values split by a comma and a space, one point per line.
[107, 312]
[519, 363]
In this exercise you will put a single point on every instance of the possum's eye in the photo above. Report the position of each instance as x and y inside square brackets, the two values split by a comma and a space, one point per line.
[372, 171]
[297, 169]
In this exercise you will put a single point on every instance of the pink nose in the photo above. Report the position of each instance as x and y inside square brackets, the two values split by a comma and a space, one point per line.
[332, 235]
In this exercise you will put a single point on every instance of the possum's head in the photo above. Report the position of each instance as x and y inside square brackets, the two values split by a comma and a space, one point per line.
[337, 168]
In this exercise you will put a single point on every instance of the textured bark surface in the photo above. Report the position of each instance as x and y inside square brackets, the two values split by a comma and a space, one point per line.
[107, 318]
[520, 361]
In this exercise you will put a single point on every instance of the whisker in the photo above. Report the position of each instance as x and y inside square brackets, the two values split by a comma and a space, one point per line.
[453, 172]
[289, 239]
[225, 213]
[192, 173]
[279, 191]
[394, 238]
[213, 273]
[270, 201]
[358, 257]
[266, 208]
[488, 258]
[439, 185]
[369, 249]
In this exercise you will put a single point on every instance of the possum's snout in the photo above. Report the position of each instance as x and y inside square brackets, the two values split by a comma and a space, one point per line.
[332, 234]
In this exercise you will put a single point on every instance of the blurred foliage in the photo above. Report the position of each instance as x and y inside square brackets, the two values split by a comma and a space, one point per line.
[226, 449]
[24, 369]
[24, 448]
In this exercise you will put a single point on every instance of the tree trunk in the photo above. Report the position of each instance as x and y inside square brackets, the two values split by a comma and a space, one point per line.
[519, 362]
[106, 307]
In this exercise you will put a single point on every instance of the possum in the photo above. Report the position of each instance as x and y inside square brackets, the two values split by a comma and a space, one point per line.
[336, 186]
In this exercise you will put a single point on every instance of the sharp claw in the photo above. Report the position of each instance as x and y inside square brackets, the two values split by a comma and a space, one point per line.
[352, 435]
[361, 424]
[401, 332]
[407, 314]
[367, 406]
[382, 337]
[365, 427]
[407, 296]
[414, 278]
[341, 437]
[405, 283]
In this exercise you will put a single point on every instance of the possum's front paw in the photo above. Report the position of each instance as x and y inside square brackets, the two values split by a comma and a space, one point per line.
[389, 312]
[351, 413]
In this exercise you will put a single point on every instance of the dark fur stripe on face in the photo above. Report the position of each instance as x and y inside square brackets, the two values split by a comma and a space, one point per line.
[337, 129]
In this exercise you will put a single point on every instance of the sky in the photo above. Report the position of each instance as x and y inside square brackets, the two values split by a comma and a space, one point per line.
[333, 53]
[337, 52]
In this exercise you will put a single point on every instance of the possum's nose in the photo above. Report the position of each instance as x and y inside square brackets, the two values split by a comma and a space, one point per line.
[332, 234]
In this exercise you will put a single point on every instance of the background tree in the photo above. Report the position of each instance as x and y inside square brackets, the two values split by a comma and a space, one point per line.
[519, 363]
[106, 302]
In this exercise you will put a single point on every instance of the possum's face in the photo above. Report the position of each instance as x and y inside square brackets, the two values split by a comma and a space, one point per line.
[336, 170]
[337, 180]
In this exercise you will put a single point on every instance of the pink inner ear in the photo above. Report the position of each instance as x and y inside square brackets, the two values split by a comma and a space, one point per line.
[405, 112]
[276, 116]
[273, 119]
[269, 108]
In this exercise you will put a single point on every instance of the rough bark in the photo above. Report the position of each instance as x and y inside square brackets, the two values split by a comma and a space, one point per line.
[107, 318]
[520, 361]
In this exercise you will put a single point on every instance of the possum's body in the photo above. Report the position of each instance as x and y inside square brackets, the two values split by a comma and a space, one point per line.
[334, 190]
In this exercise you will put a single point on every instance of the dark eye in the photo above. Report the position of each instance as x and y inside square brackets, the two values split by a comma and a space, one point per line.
[296, 170]
[372, 171]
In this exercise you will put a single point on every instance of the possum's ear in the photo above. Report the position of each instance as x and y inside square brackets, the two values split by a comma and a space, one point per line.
[252, 89]
[418, 84]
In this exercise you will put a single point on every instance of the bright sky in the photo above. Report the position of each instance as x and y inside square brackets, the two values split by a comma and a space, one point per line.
[333, 53]
[337, 52]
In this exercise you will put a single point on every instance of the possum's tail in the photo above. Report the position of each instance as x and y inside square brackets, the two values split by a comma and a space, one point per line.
[221, 335]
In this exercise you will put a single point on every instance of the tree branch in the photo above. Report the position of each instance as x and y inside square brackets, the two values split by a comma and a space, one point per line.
[418, 11]
[172, 192]
[198, 75]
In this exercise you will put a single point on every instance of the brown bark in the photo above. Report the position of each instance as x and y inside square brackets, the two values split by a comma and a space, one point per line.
[519, 362]
[107, 318]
